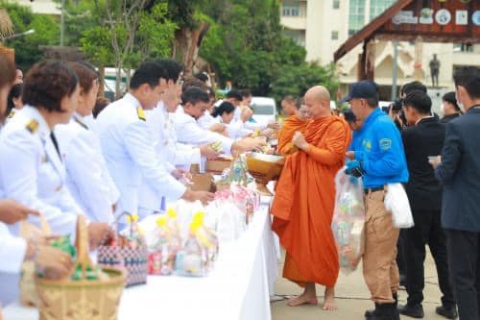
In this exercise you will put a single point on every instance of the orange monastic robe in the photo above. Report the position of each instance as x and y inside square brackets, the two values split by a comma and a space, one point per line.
[290, 125]
[304, 203]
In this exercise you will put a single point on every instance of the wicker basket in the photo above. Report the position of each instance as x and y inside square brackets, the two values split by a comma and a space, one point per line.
[84, 299]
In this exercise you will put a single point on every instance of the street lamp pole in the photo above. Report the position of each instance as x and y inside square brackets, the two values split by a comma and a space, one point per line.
[394, 71]
[62, 23]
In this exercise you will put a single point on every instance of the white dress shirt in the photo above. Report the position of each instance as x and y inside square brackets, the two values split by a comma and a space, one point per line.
[173, 154]
[189, 132]
[206, 121]
[129, 151]
[32, 172]
[88, 178]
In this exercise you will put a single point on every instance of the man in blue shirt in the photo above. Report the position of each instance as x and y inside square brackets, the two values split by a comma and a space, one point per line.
[381, 159]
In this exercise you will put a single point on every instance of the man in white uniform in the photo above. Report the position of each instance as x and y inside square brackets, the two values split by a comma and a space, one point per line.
[128, 146]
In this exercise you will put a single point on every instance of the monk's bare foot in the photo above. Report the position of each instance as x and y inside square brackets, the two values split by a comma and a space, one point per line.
[329, 303]
[301, 300]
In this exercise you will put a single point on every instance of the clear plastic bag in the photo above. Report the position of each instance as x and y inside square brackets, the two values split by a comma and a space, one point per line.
[349, 220]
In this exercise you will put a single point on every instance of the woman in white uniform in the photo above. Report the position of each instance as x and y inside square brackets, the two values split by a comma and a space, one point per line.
[225, 114]
[28, 143]
[88, 178]
[15, 250]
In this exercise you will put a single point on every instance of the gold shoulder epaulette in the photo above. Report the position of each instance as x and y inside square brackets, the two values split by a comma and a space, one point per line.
[32, 126]
[141, 114]
[11, 114]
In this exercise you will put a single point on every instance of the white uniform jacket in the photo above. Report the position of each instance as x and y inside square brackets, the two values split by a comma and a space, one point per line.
[88, 178]
[129, 151]
[32, 172]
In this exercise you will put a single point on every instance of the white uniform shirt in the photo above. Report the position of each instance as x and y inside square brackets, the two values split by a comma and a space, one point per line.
[88, 178]
[32, 172]
[189, 132]
[12, 251]
[206, 121]
[130, 154]
[173, 154]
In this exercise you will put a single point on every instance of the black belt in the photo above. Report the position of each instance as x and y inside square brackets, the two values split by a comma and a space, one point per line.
[369, 190]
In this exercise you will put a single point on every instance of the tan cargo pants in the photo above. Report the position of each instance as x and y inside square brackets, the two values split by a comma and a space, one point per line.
[379, 259]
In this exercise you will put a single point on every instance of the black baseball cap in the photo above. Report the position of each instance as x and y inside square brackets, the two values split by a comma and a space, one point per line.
[365, 89]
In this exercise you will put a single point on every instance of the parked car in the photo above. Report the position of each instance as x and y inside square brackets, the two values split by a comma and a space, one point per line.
[264, 109]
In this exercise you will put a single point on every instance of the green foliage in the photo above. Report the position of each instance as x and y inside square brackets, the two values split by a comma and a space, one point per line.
[296, 80]
[26, 47]
[246, 46]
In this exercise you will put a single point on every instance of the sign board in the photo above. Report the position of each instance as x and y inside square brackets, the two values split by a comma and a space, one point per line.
[438, 19]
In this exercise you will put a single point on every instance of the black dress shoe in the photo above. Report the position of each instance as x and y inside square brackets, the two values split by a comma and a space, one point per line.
[447, 312]
[415, 311]
[371, 312]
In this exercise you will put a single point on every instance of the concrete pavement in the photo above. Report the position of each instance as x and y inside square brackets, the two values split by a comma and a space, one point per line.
[352, 298]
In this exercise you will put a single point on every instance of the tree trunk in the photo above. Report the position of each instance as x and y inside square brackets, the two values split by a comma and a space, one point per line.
[187, 45]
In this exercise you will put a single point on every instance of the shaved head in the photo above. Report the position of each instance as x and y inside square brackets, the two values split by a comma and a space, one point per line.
[317, 100]
[318, 93]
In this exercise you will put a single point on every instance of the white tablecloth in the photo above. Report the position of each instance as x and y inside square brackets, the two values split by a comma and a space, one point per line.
[239, 288]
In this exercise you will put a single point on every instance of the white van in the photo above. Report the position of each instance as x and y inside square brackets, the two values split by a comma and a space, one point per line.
[264, 109]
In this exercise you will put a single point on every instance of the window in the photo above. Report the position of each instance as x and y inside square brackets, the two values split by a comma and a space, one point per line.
[356, 16]
[334, 35]
[290, 10]
[336, 4]
[462, 47]
[377, 7]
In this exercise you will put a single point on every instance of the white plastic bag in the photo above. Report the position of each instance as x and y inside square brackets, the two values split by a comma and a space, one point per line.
[349, 220]
[396, 201]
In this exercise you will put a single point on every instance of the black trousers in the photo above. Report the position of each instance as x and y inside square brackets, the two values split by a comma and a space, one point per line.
[402, 268]
[464, 258]
[427, 230]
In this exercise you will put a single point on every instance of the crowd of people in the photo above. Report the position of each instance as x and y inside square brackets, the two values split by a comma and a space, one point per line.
[434, 159]
[67, 152]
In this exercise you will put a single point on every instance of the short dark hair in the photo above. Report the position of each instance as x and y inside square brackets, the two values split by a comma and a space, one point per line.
[299, 102]
[8, 74]
[149, 73]
[15, 92]
[234, 94]
[418, 100]
[224, 107]
[194, 95]
[194, 82]
[201, 76]
[469, 78]
[372, 102]
[173, 68]
[47, 83]
[246, 93]
[413, 86]
[451, 97]
[290, 99]
[100, 104]
[86, 74]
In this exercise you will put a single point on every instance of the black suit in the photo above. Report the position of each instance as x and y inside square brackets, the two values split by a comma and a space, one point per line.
[425, 195]
[460, 176]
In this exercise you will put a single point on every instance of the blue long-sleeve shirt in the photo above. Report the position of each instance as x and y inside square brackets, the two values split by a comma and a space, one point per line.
[381, 154]
[356, 143]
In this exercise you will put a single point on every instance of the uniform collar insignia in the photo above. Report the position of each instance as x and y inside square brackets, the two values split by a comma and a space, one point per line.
[141, 114]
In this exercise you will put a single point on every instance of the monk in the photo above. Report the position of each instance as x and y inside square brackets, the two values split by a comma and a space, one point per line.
[304, 201]
[296, 121]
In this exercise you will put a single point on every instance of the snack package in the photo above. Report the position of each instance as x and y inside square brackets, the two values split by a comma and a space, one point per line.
[161, 255]
[349, 220]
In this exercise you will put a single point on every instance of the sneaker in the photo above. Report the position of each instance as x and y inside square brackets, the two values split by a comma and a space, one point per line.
[447, 312]
[415, 311]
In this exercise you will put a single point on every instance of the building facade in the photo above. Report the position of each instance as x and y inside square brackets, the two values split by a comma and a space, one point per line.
[322, 26]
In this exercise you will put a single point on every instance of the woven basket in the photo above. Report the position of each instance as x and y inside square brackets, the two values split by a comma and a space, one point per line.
[84, 299]
[134, 261]
[28, 292]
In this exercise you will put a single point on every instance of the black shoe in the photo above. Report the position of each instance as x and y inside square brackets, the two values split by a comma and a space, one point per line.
[415, 311]
[447, 312]
[370, 313]
[386, 311]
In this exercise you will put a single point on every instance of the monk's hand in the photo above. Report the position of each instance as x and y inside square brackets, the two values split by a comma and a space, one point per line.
[299, 141]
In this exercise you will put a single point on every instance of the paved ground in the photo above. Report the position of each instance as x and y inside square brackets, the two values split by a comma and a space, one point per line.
[352, 298]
